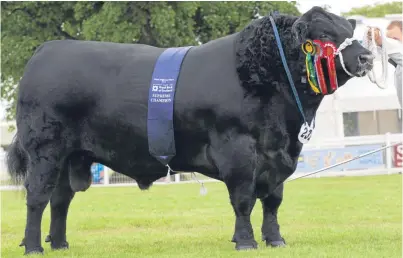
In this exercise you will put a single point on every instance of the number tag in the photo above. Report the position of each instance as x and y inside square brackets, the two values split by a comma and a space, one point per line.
[305, 133]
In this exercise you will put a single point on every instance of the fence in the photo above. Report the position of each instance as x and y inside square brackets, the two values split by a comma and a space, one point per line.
[314, 156]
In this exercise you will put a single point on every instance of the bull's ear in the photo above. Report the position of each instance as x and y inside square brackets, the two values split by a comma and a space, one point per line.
[353, 23]
[300, 28]
[300, 31]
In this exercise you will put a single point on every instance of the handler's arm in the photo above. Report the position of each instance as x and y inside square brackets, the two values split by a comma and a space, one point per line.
[392, 62]
[395, 59]
[394, 49]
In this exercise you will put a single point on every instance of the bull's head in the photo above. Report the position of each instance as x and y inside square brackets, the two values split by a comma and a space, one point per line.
[318, 25]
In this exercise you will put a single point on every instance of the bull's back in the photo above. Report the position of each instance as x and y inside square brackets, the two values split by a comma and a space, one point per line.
[67, 71]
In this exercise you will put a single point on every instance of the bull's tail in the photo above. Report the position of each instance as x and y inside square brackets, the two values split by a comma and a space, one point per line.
[16, 159]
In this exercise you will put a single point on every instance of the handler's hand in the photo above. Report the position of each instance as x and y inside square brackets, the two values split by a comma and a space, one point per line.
[378, 39]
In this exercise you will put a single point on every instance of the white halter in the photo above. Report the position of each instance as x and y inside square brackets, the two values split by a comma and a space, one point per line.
[347, 42]
[380, 56]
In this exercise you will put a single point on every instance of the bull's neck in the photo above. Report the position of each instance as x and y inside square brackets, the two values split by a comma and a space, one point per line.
[259, 64]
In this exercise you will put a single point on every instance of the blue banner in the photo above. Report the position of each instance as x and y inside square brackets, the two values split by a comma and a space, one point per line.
[97, 171]
[160, 129]
[312, 160]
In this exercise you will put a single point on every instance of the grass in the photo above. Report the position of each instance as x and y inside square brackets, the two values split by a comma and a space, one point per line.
[327, 217]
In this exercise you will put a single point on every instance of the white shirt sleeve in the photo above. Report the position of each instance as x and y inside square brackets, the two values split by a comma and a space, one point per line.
[395, 50]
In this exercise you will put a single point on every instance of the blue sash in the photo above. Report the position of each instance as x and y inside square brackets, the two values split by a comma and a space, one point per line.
[160, 129]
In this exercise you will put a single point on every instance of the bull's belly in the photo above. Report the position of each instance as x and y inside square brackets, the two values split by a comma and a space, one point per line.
[128, 153]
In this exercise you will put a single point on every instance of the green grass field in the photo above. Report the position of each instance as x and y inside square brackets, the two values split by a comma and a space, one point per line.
[327, 217]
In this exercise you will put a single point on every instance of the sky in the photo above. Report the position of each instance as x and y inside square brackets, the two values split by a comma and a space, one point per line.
[336, 6]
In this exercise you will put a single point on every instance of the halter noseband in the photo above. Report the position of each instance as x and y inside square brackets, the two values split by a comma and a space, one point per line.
[347, 42]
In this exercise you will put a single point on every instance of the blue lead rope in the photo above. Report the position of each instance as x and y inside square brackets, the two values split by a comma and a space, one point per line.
[287, 70]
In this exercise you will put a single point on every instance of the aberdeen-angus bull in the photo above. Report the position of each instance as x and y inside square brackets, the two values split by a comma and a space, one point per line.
[236, 115]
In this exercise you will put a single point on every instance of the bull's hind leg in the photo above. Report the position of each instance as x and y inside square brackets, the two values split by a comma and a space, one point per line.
[76, 176]
[59, 203]
[270, 226]
[44, 169]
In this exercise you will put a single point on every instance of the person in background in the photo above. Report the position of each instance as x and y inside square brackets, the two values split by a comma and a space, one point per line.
[394, 44]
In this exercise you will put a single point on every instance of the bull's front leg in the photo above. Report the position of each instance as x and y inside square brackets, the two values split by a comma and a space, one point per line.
[272, 183]
[270, 227]
[243, 199]
[236, 162]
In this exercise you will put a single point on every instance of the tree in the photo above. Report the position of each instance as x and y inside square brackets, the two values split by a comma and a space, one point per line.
[327, 7]
[26, 25]
[377, 10]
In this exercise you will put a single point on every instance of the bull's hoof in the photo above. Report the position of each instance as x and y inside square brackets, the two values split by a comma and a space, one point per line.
[279, 243]
[63, 245]
[36, 250]
[246, 245]
[274, 243]
[56, 246]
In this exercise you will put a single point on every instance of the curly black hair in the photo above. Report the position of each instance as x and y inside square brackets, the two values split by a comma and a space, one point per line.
[259, 64]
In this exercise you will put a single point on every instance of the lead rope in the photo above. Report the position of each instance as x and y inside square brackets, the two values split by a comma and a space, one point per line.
[287, 70]
[343, 162]
[377, 51]
[347, 42]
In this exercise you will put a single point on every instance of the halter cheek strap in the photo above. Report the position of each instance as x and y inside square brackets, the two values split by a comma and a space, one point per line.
[347, 42]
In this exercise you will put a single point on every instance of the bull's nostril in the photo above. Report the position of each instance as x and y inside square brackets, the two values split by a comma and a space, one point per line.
[362, 59]
[366, 58]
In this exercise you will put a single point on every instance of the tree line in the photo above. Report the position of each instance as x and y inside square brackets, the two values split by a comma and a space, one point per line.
[377, 10]
[26, 25]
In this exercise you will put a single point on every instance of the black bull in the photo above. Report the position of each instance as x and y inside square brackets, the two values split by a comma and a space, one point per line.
[235, 118]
